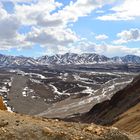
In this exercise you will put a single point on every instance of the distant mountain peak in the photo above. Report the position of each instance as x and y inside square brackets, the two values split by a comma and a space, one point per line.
[65, 59]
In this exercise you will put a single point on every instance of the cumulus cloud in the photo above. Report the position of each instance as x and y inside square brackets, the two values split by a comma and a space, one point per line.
[118, 50]
[8, 27]
[80, 8]
[84, 46]
[128, 36]
[9, 36]
[19, 1]
[101, 37]
[52, 37]
[104, 49]
[36, 11]
[50, 23]
[43, 16]
[127, 10]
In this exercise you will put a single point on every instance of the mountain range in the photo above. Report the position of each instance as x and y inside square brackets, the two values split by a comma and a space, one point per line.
[67, 58]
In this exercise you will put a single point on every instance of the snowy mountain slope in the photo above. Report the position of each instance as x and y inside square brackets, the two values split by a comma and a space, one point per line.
[17, 61]
[68, 58]
[86, 58]
[72, 58]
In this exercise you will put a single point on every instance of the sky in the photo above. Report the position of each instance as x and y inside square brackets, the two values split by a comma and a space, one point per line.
[46, 27]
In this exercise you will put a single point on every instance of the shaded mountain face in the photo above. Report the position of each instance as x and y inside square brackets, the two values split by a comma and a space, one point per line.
[109, 111]
[65, 59]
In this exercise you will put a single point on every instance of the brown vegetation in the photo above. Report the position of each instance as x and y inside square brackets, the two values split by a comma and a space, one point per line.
[2, 105]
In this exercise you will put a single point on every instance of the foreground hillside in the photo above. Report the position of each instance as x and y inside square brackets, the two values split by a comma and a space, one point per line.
[16, 127]
[130, 120]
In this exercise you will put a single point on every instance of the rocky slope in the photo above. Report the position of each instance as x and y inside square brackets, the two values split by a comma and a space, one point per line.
[16, 127]
[121, 111]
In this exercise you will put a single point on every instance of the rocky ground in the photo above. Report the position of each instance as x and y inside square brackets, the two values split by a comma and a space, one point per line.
[18, 127]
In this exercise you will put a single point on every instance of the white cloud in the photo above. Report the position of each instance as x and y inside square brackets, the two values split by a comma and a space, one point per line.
[80, 8]
[40, 12]
[24, 14]
[3, 13]
[118, 50]
[8, 27]
[101, 37]
[128, 36]
[9, 36]
[85, 46]
[50, 26]
[36, 11]
[52, 37]
[19, 1]
[127, 10]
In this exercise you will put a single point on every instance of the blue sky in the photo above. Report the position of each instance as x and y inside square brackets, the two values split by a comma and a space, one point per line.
[39, 27]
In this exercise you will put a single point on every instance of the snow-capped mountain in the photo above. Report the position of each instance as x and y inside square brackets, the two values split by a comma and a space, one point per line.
[131, 59]
[73, 58]
[127, 59]
[68, 58]
[17, 61]
[86, 58]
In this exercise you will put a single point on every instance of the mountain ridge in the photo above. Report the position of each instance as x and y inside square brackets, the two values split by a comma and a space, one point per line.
[66, 59]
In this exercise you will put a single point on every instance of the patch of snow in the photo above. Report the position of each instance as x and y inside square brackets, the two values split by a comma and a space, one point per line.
[27, 91]
[9, 109]
[33, 97]
[55, 90]
[24, 93]
[107, 89]
[126, 82]
[12, 71]
[36, 75]
[35, 81]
